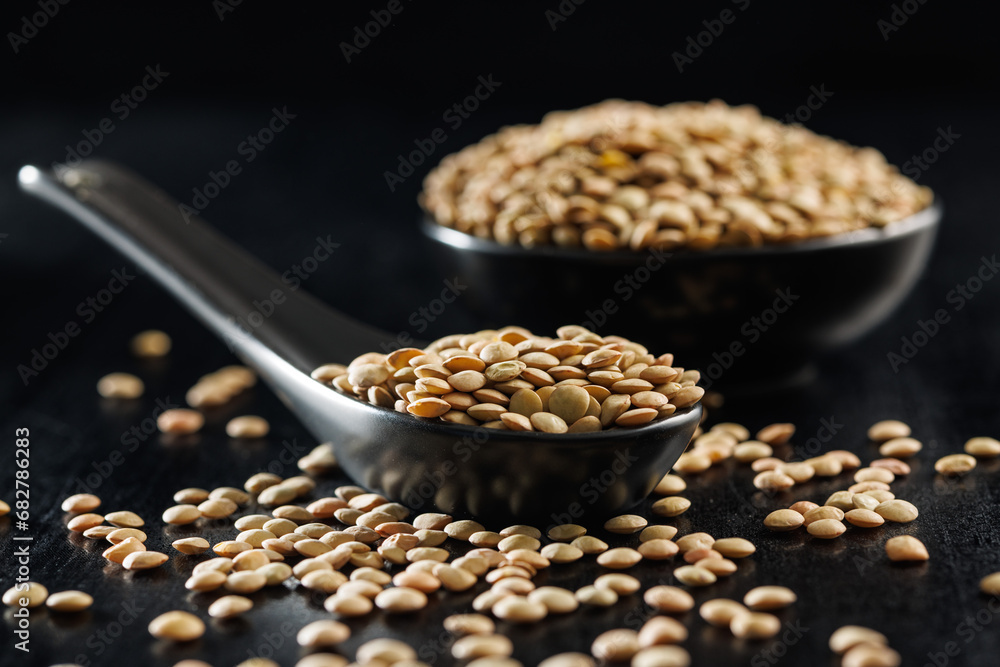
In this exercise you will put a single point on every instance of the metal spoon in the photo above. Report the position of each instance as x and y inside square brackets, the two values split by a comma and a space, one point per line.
[462, 470]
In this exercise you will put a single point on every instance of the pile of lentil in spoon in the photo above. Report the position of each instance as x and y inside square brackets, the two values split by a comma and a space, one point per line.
[578, 382]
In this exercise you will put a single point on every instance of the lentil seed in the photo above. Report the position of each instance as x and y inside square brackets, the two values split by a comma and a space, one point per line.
[661, 656]
[900, 448]
[247, 427]
[888, 429]
[734, 547]
[597, 597]
[669, 599]
[983, 447]
[625, 524]
[864, 518]
[229, 606]
[180, 421]
[755, 625]
[322, 633]
[81, 502]
[897, 511]
[954, 465]
[661, 630]
[768, 598]
[69, 601]
[906, 548]
[671, 506]
[848, 636]
[181, 514]
[191, 546]
[29, 594]
[481, 645]
[400, 600]
[177, 626]
[826, 529]
[720, 611]
[144, 560]
[616, 645]
[990, 584]
[120, 385]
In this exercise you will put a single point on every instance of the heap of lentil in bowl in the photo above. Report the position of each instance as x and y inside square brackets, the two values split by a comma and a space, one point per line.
[628, 175]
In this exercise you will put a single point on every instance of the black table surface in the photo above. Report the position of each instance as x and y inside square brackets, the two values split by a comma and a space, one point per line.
[324, 177]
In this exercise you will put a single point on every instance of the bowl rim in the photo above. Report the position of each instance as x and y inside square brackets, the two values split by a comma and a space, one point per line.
[926, 218]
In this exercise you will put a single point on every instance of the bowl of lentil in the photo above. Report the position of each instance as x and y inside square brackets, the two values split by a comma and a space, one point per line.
[747, 246]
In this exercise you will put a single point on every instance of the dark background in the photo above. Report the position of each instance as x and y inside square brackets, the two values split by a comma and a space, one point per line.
[324, 175]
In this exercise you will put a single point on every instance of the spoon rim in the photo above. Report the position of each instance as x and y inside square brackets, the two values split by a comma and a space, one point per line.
[928, 217]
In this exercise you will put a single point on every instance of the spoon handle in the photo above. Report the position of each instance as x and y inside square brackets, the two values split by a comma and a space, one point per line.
[235, 295]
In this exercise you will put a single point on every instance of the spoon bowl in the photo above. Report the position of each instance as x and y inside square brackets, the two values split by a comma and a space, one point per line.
[498, 476]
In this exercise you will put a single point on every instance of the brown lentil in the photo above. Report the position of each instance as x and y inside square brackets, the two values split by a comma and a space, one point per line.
[81, 502]
[898, 511]
[229, 606]
[671, 506]
[849, 636]
[616, 645]
[120, 385]
[69, 601]
[661, 656]
[767, 598]
[906, 548]
[669, 599]
[720, 611]
[954, 465]
[783, 520]
[826, 529]
[755, 625]
[901, 448]
[178, 626]
[864, 518]
[597, 597]
[888, 429]
[870, 655]
[33, 596]
[180, 421]
[247, 427]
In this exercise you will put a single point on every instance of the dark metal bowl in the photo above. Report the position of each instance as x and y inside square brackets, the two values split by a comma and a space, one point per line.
[740, 315]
